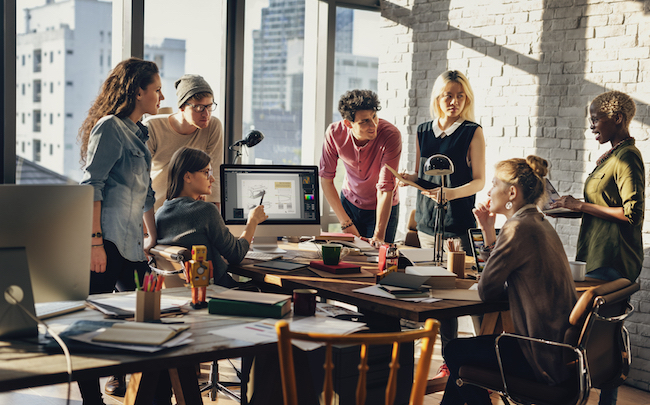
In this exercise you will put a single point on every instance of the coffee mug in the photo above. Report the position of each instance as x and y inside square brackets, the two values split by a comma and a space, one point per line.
[304, 302]
[578, 270]
[331, 253]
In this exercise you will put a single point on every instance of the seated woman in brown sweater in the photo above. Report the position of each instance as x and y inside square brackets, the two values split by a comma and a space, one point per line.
[528, 265]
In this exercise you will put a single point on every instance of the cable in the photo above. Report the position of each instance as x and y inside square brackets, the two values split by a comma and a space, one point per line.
[68, 359]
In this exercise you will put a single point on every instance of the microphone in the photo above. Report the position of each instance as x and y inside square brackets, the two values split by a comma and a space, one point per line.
[251, 139]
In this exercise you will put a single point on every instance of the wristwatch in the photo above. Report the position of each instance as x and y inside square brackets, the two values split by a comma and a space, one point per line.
[96, 235]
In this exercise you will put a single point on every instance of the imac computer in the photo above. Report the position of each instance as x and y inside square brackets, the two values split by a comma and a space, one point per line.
[49, 227]
[290, 195]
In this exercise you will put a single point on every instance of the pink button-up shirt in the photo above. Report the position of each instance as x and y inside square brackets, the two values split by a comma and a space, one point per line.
[364, 166]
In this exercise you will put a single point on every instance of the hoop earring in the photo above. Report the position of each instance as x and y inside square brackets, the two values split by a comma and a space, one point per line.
[509, 205]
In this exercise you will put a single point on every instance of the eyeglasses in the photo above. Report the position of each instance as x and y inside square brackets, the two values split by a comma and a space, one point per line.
[208, 173]
[199, 108]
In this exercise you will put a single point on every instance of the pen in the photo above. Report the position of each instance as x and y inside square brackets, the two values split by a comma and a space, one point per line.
[262, 199]
[137, 281]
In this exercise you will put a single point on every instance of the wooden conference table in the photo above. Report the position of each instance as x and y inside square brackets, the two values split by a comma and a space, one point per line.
[25, 363]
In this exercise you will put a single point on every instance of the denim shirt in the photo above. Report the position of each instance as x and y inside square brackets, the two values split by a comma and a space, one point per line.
[118, 166]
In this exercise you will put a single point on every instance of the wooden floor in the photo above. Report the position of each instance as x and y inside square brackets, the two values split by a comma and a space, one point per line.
[56, 395]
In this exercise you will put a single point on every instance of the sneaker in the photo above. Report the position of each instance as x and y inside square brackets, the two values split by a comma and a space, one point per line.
[443, 372]
[116, 385]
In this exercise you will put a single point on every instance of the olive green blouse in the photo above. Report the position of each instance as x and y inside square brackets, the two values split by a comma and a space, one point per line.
[617, 182]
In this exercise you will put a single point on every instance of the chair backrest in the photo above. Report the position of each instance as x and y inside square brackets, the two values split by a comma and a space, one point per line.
[428, 336]
[411, 238]
[597, 327]
[170, 259]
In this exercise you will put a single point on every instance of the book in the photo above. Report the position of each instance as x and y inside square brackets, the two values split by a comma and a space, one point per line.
[139, 333]
[439, 277]
[403, 292]
[335, 236]
[341, 268]
[249, 303]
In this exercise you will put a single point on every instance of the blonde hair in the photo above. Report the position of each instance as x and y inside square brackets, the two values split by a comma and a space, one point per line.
[439, 86]
[614, 102]
[526, 174]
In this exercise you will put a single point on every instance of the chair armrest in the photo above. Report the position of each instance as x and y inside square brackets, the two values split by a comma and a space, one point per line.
[582, 369]
[172, 253]
[618, 318]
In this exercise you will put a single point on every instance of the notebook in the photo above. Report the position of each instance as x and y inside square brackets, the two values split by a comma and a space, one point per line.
[282, 265]
[476, 238]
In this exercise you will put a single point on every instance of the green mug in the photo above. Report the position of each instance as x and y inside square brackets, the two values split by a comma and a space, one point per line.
[331, 254]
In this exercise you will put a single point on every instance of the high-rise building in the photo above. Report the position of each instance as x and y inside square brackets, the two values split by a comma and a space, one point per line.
[277, 83]
[62, 58]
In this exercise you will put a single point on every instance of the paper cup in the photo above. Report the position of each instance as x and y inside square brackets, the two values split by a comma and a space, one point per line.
[578, 270]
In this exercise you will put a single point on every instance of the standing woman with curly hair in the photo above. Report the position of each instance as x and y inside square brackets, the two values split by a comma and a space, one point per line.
[117, 164]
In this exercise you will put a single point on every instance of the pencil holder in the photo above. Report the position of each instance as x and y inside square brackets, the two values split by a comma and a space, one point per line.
[456, 263]
[147, 306]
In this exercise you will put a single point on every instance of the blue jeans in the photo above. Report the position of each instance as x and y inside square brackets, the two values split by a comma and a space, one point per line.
[365, 220]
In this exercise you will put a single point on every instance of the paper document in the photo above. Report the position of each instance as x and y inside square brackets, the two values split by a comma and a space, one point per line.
[377, 291]
[403, 180]
[418, 255]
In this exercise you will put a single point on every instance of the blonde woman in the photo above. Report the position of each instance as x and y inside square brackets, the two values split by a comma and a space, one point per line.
[452, 133]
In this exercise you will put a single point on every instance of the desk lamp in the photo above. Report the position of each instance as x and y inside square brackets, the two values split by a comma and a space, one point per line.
[251, 139]
[439, 165]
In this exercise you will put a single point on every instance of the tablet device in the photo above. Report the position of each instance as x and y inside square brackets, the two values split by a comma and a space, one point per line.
[281, 265]
[476, 239]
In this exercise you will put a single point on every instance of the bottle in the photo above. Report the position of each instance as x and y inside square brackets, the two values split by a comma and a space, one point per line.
[392, 257]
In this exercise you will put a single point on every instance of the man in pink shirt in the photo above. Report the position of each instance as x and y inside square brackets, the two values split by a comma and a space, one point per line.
[367, 207]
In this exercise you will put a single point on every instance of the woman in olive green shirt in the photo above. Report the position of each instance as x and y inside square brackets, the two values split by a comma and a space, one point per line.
[610, 239]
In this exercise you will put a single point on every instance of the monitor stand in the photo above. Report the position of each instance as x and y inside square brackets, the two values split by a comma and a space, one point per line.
[267, 244]
[16, 287]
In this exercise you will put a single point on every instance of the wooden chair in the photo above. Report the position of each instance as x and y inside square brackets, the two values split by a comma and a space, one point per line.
[289, 390]
[596, 344]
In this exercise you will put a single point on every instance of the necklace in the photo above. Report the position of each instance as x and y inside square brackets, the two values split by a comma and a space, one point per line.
[609, 152]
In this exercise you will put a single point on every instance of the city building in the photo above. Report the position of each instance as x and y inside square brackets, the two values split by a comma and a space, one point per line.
[62, 58]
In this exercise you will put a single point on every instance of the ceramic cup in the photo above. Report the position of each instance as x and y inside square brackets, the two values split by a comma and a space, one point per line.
[304, 302]
[331, 253]
[578, 270]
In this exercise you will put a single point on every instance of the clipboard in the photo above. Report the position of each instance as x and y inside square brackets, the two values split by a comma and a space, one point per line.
[419, 184]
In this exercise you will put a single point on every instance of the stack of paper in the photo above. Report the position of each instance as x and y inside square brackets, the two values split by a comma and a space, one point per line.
[439, 277]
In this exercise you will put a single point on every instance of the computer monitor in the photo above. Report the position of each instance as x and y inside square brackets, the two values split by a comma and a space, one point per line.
[53, 223]
[290, 195]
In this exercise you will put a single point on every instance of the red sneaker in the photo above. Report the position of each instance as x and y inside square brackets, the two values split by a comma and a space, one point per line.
[443, 372]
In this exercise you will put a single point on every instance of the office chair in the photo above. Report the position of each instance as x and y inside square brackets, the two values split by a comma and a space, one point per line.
[599, 347]
[168, 261]
[289, 389]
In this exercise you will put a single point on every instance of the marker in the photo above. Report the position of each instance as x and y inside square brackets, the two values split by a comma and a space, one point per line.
[137, 281]
[262, 199]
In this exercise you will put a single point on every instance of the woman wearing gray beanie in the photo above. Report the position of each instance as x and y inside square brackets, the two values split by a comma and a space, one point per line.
[192, 126]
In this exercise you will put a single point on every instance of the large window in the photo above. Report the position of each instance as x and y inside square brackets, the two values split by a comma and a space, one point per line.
[61, 45]
[186, 37]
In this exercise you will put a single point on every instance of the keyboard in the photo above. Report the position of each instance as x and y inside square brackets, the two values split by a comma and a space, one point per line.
[45, 310]
[262, 256]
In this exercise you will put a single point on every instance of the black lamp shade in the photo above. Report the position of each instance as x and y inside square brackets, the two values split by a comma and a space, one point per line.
[438, 165]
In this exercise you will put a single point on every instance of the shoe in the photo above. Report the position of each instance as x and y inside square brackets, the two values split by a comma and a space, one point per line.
[116, 386]
[443, 372]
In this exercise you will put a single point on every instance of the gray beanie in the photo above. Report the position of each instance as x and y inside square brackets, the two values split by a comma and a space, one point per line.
[189, 85]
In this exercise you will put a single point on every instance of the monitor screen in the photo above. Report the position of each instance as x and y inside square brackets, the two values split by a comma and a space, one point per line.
[53, 223]
[290, 195]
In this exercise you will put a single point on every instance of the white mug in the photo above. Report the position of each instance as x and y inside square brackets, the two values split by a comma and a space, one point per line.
[578, 270]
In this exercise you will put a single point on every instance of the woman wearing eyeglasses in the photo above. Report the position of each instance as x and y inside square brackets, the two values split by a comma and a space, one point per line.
[192, 126]
[185, 220]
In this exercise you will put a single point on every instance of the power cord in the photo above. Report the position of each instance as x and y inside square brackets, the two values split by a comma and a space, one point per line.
[64, 347]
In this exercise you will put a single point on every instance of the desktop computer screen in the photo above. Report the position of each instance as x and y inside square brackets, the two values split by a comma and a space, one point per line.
[290, 195]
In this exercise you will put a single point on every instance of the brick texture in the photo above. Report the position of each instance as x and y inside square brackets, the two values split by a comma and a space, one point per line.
[534, 66]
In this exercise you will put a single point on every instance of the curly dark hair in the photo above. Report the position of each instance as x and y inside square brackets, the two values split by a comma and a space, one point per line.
[355, 100]
[117, 95]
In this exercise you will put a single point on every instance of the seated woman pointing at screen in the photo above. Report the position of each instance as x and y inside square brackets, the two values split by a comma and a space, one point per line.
[185, 219]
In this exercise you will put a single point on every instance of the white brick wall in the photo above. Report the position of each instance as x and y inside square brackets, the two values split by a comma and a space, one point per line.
[534, 66]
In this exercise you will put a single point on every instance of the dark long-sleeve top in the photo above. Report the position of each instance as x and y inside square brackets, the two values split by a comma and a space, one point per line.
[185, 221]
[529, 264]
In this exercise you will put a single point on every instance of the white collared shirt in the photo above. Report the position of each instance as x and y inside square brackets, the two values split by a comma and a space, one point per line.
[439, 133]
